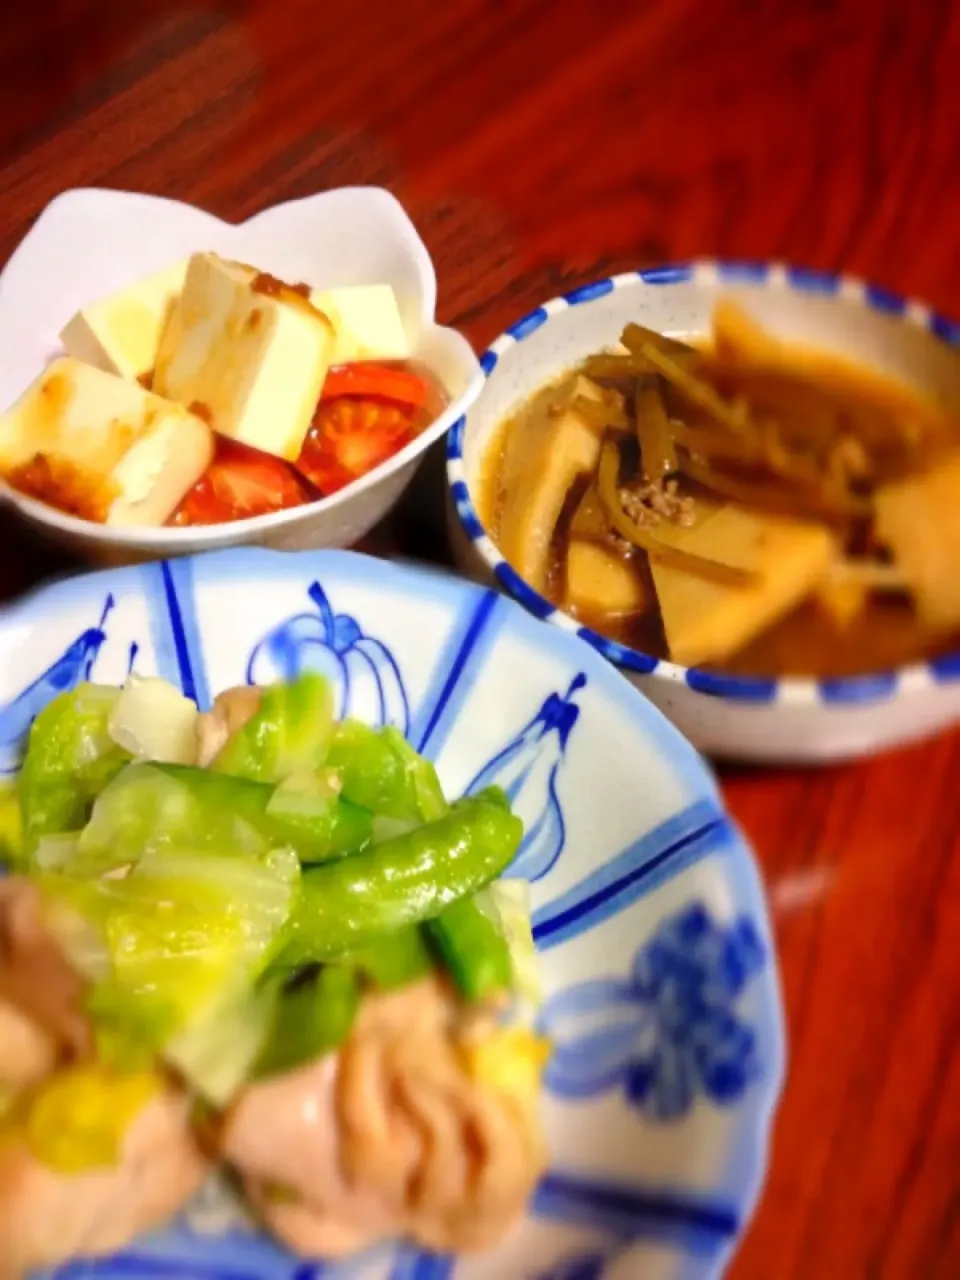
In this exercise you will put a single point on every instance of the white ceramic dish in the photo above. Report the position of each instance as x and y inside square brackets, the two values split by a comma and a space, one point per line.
[662, 991]
[790, 720]
[88, 243]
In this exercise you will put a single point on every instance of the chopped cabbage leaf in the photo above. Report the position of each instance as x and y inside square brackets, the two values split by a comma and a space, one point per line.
[154, 721]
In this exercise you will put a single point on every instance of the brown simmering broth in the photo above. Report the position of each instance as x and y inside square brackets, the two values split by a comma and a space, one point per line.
[826, 400]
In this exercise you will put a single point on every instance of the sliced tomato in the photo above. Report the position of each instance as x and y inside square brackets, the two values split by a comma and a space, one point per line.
[349, 437]
[238, 484]
[379, 380]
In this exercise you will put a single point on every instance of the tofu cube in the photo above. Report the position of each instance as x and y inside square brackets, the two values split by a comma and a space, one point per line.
[122, 333]
[247, 353]
[366, 323]
[101, 447]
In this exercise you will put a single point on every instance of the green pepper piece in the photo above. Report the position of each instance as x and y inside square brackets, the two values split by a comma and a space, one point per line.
[406, 880]
[473, 947]
[313, 1017]
[489, 795]
[70, 759]
[428, 793]
[289, 734]
[317, 828]
[372, 773]
[395, 960]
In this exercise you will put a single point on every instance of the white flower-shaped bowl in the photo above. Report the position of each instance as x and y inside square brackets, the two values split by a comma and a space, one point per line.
[735, 717]
[88, 243]
[661, 983]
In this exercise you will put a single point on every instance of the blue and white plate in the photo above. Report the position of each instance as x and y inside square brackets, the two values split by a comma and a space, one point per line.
[663, 997]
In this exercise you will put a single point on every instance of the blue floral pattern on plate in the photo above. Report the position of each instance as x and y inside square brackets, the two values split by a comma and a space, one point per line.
[528, 768]
[361, 667]
[74, 665]
[670, 1031]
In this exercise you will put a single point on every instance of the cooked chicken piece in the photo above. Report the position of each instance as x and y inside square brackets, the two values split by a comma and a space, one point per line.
[35, 977]
[392, 1136]
[231, 710]
[47, 1217]
[27, 1053]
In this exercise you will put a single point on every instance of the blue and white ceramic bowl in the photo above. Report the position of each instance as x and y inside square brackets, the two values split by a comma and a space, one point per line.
[734, 717]
[662, 986]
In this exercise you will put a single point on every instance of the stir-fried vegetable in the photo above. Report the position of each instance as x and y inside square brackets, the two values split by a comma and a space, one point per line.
[403, 881]
[313, 1015]
[288, 735]
[470, 937]
[177, 893]
[70, 758]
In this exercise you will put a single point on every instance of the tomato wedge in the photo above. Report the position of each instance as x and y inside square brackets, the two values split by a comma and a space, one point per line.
[238, 484]
[349, 437]
[378, 380]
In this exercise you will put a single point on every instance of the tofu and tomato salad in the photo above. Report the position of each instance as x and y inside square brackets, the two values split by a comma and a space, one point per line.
[211, 392]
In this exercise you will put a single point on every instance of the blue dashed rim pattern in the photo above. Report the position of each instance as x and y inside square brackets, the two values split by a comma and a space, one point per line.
[851, 691]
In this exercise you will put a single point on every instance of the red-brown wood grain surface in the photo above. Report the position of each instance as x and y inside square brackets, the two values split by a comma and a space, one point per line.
[543, 142]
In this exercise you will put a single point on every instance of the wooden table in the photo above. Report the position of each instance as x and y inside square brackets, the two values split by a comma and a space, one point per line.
[539, 144]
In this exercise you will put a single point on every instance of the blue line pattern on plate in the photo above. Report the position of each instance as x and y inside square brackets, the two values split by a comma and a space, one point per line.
[884, 300]
[813, 280]
[587, 292]
[631, 1213]
[581, 1266]
[945, 329]
[74, 665]
[853, 689]
[523, 327]
[528, 770]
[412, 1265]
[946, 668]
[745, 688]
[660, 854]
[361, 668]
[451, 680]
[670, 1032]
[531, 600]
[461, 500]
[177, 579]
[145, 1266]
[455, 438]
[675, 274]
[743, 272]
